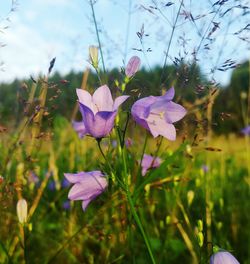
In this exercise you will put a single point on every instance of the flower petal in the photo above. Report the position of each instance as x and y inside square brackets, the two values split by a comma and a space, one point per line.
[140, 107]
[174, 112]
[103, 124]
[87, 116]
[140, 110]
[169, 95]
[98, 125]
[102, 99]
[132, 66]
[76, 177]
[89, 187]
[79, 128]
[85, 98]
[119, 100]
[85, 204]
[222, 257]
[158, 126]
[148, 162]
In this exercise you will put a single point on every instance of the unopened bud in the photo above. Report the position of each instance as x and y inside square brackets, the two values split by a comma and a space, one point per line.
[93, 56]
[22, 211]
[200, 238]
[132, 66]
[190, 197]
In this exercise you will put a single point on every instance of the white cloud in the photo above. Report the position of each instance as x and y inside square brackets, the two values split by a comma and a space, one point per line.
[26, 52]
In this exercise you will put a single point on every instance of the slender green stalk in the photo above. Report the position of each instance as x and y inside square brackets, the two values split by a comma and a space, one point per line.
[124, 131]
[138, 222]
[109, 165]
[127, 31]
[170, 41]
[97, 34]
[143, 151]
[132, 207]
[6, 252]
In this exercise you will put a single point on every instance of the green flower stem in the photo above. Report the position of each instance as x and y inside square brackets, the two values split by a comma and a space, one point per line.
[143, 152]
[170, 41]
[132, 207]
[97, 34]
[138, 222]
[110, 167]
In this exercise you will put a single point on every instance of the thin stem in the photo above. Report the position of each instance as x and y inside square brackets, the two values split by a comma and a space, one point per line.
[143, 151]
[124, 131]
[14, 145]
[109, 165]
[138, 222]
[132, 207]
[170, 41]
[127, 31]
[97, 34]
[205, 34]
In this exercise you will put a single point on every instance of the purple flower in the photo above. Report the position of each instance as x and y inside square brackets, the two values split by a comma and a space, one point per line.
[158, 113]
[223, 257]
[149, 162]
[66, 205]
[132, 66]
[65, 183]
[87, 186]
[52, 185]
[205, 168]
[246, 131]
[98, 112]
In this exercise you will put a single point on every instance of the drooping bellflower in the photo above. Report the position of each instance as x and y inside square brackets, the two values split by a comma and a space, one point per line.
[87, 186]
[158, 113]
[98, 112]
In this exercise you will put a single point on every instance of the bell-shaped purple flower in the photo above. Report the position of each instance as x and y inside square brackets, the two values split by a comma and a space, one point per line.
[132, 66]
[87, 186]
[223, 257]
[98, 112]
[158, 113]
[149, 162]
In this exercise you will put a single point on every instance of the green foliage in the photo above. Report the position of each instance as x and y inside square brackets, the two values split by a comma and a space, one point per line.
[234, 100]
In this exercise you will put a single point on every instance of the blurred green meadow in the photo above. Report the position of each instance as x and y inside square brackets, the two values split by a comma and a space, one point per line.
[197, 198]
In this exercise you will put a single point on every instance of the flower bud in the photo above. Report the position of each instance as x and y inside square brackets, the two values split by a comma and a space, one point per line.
[200, 238]
[22, 211]
[190, 197]
[93, 56]
[200, 225]
[132, 66]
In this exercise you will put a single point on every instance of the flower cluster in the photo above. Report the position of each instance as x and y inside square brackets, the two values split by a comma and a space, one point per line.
[155, 113]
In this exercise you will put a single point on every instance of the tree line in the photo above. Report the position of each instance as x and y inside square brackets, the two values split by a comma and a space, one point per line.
[230, 105]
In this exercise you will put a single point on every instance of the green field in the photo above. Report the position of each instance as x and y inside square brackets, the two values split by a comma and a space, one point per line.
[184, 207]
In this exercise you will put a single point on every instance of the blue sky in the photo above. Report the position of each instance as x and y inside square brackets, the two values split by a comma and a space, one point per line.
[39, 30]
